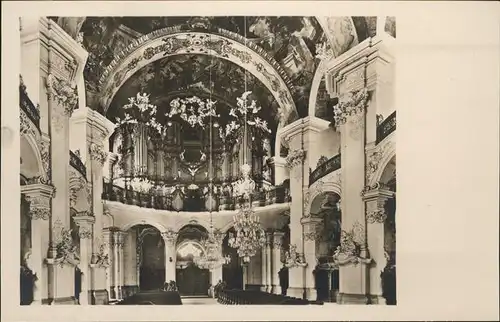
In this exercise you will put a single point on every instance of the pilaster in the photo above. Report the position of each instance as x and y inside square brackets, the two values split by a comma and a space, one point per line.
[39, 197]
[269, 243]
[376, 214]
[85, 224]
[276, 258]
[311, 237]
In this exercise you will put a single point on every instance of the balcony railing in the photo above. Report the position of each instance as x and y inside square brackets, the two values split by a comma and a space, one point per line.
[386, 127]
[328, 167]
[28, 107]
[77, 164]
[178, 201]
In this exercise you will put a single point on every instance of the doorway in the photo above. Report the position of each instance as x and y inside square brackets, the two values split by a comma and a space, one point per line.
[192, 280]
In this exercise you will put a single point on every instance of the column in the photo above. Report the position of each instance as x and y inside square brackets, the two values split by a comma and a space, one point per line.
[263, 268]
[85, 223]
[245, 275]
[39, 197]
[280, 170]
[299, 136]
[121, 269]
[375, 199]
[90, 132]
[116, 264]
[276, 258]
[269, 243]
[311, 237]
[216, 273]
[108, 269]
[170, 238]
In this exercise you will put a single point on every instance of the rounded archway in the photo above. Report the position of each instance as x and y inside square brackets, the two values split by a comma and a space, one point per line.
[150, 257]
[232, 273]
[326, 205]
[191, 280]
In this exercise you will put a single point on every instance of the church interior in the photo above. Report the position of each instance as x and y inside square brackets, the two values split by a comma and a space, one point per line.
[227, 160]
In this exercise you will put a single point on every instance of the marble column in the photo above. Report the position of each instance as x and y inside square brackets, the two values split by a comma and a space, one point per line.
[269, 243]
[39, 197]
[312, 236]
[376, 214]
[170, 238]
[276, 258]
[85, 224]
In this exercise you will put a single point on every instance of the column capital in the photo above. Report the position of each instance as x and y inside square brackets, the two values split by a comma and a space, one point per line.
[311, 225]
[97, 153]
[84, 223]
[375, 198]
[278, 239]
[39, 197]
[62, 92]
[169, 236]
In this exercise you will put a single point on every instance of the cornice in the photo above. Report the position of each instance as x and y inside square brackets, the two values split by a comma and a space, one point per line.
[309, 123]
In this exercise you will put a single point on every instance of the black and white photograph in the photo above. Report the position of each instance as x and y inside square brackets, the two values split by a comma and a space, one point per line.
[213, 159]
[245, 160]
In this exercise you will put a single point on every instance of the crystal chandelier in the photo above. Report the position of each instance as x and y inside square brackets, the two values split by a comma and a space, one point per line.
[250, 236]
[212, 257]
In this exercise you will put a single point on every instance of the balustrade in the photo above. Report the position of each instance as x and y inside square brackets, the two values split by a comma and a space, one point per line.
[28, 107]
[158, 199]
[77, 164]
[327, 167]
[386, 127]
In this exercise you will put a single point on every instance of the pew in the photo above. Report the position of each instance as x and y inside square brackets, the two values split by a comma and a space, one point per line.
[250, 297]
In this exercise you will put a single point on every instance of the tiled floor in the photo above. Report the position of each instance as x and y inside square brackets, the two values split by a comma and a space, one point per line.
[198, 301]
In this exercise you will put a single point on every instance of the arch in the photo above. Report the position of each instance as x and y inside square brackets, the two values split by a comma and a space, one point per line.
[183, 222]
[29, 145]
[316, 82]
[388, 151]
[189, 241]
[152, 223]
[223, 44]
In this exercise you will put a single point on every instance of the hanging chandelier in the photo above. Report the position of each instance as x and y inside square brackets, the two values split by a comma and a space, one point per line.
[250, 236]
[212, 257]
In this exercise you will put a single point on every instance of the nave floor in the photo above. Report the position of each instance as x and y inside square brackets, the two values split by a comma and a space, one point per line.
[199, 300]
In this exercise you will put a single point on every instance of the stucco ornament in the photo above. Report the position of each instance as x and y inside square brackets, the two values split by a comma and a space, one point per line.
[375, 212]
[39, 207]
[374, 159]
[295, 158]
[66, 250]
[324, 51]
[65, 96]
[102, 256]
[351, 109]
[97, 153]
[352, 245]
[169, 236]
[293, 258]
[45, 154]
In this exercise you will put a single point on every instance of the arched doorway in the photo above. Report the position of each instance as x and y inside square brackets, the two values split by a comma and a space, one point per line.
[190, 279]
[232, 273]
[150, 258]
[326, 274]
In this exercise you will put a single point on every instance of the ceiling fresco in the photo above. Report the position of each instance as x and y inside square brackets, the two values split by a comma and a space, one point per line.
[187, 75]
[290, 40]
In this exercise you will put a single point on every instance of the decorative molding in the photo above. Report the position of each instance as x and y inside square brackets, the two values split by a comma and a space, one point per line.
[351, 109]
[39, 198]
[223, 43]
[46, 161]
[66, 250]
[374, 159]
[76, 183]
[294, 258]
[85, 232]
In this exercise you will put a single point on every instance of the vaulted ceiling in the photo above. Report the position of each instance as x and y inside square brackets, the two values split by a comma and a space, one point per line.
[290, 41]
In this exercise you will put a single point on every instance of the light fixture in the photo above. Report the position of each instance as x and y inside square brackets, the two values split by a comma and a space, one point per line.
[250, 236]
